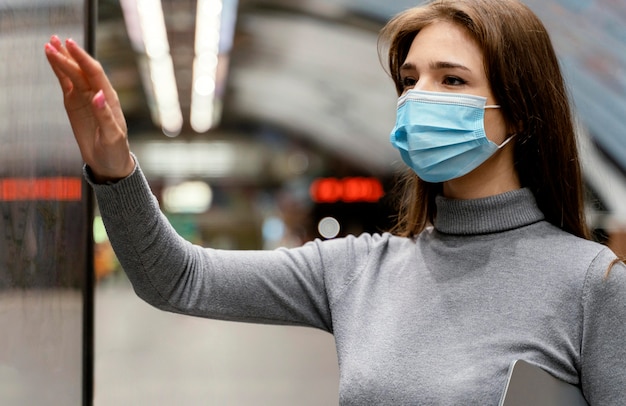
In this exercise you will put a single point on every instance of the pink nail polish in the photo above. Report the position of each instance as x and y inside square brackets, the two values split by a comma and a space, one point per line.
[99, 99]
[51, 49]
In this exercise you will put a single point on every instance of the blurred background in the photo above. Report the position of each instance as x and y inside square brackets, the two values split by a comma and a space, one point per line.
[259, 124]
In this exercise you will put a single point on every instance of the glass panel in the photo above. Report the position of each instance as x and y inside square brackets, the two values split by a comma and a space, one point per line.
[44, 250]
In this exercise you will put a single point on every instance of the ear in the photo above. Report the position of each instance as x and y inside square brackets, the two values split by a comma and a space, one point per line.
[515, 129]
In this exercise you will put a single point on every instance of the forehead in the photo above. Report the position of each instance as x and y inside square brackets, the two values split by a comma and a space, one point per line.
[445, 41]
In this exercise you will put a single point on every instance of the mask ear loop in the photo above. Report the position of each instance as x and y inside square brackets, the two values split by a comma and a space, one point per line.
[506, 141]
[496, 106]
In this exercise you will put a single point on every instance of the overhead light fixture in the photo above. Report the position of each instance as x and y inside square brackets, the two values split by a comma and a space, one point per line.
[145, 24]
[208, 23]
[187, 197]
[215, 21]
[214, 159]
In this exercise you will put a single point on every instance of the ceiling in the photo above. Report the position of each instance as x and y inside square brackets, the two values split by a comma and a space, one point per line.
[309, 72]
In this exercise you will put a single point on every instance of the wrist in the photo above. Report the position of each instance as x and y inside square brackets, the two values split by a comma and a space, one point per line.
[102, 177]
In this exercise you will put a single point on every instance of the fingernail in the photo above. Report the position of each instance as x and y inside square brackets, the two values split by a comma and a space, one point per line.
[51, 49]
[71, 42]
[99, 99]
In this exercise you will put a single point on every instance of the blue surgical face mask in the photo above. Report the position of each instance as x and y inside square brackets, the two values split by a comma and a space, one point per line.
[441, 136]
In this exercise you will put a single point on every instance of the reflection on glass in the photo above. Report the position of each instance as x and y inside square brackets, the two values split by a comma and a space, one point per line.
[43, 214]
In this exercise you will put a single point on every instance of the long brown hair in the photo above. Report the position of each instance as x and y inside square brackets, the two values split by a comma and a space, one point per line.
[523, 70]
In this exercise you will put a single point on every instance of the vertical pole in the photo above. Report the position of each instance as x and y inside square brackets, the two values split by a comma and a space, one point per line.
[91, 20]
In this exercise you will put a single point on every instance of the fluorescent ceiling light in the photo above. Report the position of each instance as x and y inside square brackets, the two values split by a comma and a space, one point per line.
[145, 24]
[207, 39]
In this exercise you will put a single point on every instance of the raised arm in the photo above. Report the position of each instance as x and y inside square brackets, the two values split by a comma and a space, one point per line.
[280, 287]
[93, 109]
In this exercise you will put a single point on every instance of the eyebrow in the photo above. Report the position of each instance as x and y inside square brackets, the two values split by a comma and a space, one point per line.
[436, 66]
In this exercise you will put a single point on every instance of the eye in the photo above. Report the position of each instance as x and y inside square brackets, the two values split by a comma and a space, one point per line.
[453, 81]
[408, 82]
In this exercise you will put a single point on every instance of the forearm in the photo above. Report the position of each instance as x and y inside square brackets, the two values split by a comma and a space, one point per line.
[130, 216]
[281, 287]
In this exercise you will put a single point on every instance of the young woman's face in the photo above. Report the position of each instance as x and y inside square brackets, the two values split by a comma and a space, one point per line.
[444, 58]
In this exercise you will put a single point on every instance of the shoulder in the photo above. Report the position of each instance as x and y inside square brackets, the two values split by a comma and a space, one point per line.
[346, 259]
[606, 277]
[567, 249]
[592, 265]
[364, 244]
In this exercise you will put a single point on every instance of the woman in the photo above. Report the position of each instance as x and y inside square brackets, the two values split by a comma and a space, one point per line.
[487, 265]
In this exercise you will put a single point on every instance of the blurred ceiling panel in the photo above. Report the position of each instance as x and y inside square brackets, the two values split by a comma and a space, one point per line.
[320, 79]
[311, 67]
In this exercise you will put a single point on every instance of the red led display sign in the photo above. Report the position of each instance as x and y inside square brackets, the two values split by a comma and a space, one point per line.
[57, 188]
[348, 190]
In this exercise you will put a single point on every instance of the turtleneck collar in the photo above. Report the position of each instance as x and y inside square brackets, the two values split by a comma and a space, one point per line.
[491, 214]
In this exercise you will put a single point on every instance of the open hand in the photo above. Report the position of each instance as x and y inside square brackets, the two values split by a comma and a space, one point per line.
[93, 109]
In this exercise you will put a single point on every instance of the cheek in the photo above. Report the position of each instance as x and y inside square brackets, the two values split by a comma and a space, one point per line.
[495, 126]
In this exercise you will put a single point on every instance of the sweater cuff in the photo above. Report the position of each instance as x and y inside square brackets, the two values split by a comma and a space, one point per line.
[125, 195]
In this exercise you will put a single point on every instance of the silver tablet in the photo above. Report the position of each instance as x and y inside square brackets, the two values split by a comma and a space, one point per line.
[528, 384]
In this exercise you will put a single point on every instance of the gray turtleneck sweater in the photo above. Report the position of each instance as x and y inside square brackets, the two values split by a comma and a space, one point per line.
[435, 320]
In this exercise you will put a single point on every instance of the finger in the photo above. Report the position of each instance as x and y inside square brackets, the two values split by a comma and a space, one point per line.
[56, 42]
[64, 80]
[57, 45]
[96, 76]
[105, 115]
[66, 67]
[91, 68]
